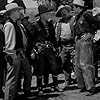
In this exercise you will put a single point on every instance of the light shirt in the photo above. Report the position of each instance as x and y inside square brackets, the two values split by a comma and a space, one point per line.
[10, 37]
[65, 31]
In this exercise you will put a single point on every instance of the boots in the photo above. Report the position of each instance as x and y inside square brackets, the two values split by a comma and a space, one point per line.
[39, 84]
[55, 84]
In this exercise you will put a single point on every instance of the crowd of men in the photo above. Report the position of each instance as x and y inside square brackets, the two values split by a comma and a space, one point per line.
[47, 46]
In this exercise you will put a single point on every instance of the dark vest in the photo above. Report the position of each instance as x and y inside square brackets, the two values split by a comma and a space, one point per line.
[19, 41]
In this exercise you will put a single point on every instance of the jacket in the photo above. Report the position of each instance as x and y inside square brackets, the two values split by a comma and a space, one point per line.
[87, 23]
[42, 34]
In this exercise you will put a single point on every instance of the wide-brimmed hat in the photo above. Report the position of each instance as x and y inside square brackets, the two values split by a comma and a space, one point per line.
[61, 7]
[12, 6]
[42, 9]
[95, 11]
[79, 3]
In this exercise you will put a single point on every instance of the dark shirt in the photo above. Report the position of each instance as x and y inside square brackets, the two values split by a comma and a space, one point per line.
[87, 23]
[43, 34]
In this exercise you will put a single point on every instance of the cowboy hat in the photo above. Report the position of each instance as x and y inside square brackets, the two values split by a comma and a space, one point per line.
[42, 9]
[79, 3]
[61, 7]
[12, 6]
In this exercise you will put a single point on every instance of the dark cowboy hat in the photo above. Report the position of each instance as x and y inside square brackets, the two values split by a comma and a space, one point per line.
[42, 9]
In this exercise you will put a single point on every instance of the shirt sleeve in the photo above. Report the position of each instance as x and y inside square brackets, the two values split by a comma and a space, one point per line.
[9, 32]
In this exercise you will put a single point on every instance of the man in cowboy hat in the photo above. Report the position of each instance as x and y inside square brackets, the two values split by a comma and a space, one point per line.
[45, 33]
[78, 6]
[13, 47]
[84, 30]
[65, 39]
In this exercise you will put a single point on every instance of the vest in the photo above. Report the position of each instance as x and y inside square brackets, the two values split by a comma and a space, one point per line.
[19, 41]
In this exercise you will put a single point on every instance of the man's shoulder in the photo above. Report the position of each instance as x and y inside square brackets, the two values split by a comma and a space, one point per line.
[8, 23]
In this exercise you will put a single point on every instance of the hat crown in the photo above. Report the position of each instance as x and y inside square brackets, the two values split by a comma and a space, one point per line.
[42, 8]
[79, 2]
[61, 7]
[11, 6]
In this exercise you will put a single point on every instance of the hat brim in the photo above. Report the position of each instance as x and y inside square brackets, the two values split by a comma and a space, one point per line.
[16, 8]
[43, 12]
[58, 12]
[80, 5]
[27, 17]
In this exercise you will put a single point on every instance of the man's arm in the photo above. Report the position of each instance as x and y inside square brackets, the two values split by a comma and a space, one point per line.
[90, 18]
[9, 32]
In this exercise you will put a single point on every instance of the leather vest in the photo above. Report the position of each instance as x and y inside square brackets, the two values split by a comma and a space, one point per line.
[19, 41]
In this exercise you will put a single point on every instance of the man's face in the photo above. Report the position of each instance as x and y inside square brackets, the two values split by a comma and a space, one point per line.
[76, 9]
[64, 13]
[45, 16]
[17, 14]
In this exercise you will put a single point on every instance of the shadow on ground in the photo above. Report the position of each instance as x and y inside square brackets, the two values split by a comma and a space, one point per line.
[39, 97]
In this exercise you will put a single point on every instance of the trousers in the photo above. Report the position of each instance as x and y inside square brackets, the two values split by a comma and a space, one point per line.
[47, 64]
[84, 69]
[12, 77]
[26, 69]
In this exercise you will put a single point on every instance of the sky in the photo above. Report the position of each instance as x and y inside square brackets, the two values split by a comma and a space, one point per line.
[28, 3]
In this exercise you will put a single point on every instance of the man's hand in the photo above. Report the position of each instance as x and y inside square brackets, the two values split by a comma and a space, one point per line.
[9, 59]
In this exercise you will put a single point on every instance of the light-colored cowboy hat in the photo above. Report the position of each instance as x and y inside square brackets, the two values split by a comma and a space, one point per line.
[12, 6]
[79, 3]
[61, 7]
[42, 9]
